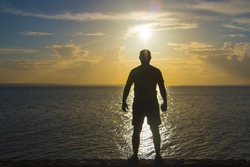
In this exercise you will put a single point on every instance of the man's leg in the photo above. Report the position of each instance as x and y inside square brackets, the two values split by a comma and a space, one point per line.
[133, 161]
[156, 138]
[136, 138]
[157, 143]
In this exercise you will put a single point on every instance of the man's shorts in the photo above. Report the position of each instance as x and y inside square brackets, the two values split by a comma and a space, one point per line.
[146, 108]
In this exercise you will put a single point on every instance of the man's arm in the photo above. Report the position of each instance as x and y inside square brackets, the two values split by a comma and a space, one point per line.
[125, 95]
[163, 95]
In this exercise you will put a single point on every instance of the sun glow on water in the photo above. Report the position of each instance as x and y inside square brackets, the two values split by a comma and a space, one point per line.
[146, 141]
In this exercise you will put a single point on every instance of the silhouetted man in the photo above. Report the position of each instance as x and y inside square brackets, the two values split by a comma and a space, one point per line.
[145, 79]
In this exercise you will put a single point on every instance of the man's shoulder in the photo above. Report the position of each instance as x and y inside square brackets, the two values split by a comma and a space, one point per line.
[135, 69]
[154, 68]
[149, 68]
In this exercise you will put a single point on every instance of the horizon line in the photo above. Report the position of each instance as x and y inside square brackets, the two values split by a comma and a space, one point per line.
[62, 84]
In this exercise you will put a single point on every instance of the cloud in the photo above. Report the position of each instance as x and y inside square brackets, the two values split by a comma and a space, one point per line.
[165, 20]
[71, 56]
[71, 64]
[113, 55]
[96, 34]
[43, 71]
[236, 27]
[232, 70]
[34, 33]
[158, 26]
[191, 46]
[142, 16]
[240, 23]
[195, 48]
[138, 29]
[107, 70]
[235, 35]
[4, 51]
[179, 15]
[229, 63]
[156, 21]
[238, 50]
[69, 51]
[242, 20]
[231, 14]
[230, 7]
[64, 57]
[30, 65]
[72, 16]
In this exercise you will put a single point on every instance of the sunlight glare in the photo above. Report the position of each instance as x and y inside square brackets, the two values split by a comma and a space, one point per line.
[145, 33]
[146, 145]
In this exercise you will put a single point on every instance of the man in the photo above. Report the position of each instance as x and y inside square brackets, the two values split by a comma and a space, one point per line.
[145, 79]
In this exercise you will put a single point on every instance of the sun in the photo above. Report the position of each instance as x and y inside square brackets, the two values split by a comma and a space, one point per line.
[145, 33]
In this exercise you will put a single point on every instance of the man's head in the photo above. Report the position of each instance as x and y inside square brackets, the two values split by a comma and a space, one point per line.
[145, 57]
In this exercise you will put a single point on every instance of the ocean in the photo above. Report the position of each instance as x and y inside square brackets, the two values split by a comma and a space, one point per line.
[86, 122]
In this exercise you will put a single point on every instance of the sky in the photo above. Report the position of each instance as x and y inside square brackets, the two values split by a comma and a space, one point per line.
[194, 42]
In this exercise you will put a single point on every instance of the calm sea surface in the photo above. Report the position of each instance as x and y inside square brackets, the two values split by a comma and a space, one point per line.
[67, 122]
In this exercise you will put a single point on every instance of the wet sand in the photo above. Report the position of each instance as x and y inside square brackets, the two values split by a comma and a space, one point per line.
[123, 163]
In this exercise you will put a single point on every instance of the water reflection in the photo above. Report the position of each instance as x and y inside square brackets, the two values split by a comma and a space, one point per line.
[87, 122]
[169, 130]
[146, 148]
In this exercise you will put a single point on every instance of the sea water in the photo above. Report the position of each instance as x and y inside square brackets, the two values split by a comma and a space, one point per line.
[84, 122]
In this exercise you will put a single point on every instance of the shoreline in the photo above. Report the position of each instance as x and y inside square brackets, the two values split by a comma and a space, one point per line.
[123, 163]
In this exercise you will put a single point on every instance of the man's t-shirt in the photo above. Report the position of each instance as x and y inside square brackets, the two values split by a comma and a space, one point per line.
[145, 79]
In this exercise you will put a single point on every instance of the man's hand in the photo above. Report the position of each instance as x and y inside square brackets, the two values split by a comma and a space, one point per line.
[164, 107]
[124, 106]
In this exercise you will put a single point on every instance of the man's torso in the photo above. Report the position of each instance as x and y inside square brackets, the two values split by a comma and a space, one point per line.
[145, 80]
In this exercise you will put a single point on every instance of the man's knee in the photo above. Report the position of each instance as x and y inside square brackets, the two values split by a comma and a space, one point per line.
[155, 129]
[137, 129]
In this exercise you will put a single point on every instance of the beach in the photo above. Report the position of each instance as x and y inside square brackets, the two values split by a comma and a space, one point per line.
[122, 163]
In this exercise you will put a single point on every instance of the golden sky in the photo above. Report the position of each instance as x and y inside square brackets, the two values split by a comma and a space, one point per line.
[196, 42]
